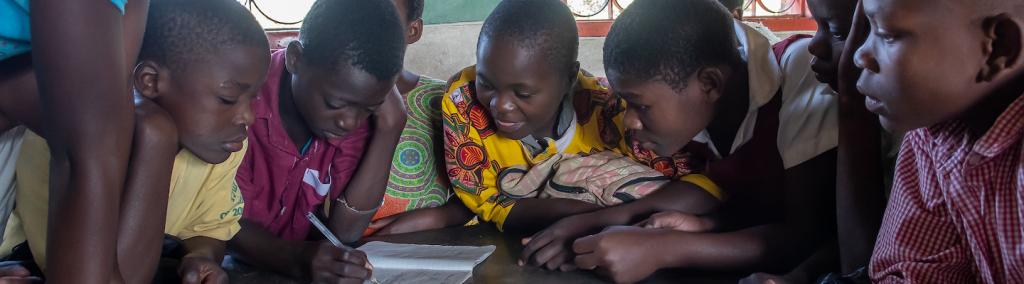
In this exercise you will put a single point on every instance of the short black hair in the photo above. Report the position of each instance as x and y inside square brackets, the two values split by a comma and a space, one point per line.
[366, 34]
[732, 5]
[669, 40]
[182, 32]
[415, 10]
[543, 25]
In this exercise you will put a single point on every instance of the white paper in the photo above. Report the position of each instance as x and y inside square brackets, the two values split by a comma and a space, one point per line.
[408, 263]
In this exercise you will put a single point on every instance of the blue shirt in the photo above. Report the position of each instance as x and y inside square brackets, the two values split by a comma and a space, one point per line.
[15, 35]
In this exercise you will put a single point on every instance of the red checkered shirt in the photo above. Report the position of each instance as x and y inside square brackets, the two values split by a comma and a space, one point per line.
[957, 206]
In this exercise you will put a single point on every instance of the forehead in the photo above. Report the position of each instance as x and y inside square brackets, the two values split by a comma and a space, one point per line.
[241, 66]
[832, 9]
[351, 84]
[502, 61]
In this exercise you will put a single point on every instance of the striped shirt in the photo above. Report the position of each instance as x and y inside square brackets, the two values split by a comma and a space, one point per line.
[957, 206]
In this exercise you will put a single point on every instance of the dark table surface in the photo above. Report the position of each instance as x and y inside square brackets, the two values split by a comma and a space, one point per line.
[500, 267]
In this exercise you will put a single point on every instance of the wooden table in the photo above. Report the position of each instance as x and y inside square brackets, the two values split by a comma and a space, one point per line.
[500, 267]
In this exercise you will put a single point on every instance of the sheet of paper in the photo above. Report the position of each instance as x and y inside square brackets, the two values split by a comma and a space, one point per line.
[408, 263]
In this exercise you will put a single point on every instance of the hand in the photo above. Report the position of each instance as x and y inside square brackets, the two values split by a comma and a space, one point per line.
[391, 115]
[678, 221]
[196, 270]
[330, 264]
[624, 255]
[765, 278]
[412, 221]
[552, 247]
[12, 272]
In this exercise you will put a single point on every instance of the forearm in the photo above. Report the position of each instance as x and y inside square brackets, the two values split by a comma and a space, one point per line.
[367, 188]
[860, 196]
[823, 261]
[89, 130]
[144, 205]
[258, 247]
[452, 213]
[533, 214]
[674, 196]
[763, 248]
[204, 247]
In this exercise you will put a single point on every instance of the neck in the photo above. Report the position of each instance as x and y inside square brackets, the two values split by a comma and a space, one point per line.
[291, 119]
[407, 81]
[731, 110]
[980, 117]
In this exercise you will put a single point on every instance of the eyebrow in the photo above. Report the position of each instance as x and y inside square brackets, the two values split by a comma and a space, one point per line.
[232, 83]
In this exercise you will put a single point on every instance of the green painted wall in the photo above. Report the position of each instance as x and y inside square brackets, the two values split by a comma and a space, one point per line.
[455, 11]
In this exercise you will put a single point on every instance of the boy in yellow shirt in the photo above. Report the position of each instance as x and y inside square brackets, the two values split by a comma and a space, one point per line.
[201, 63]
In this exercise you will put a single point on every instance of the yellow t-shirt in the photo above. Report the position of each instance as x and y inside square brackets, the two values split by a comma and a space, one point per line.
[475, 154]
[204, 199]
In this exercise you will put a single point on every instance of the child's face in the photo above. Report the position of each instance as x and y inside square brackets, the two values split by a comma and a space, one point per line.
[664, 119]
[336, 102]
[919, 61]
[834, 18]
[210, 102]
[519, 88]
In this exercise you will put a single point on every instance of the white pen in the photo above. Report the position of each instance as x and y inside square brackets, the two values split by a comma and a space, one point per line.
[330, 237]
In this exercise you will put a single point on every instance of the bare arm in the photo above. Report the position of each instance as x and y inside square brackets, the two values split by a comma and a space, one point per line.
[144, 203]
[860, 196]
[255, 245]
[366, 190]
[89, 129]
[533, 214]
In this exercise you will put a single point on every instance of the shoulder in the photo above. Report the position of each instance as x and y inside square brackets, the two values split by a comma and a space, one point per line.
[154, 126]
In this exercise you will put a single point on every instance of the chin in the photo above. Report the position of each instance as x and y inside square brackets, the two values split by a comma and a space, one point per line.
[213, 157]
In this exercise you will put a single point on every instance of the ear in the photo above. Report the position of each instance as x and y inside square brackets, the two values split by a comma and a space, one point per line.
[146, 79]
[711, 81]
[1002, 47]
[293, 56]
[574, 74]
[414, 32]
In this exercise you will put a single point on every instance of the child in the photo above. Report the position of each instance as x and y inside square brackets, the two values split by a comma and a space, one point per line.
[768, 142]
[192, 109]
[526, 101]
[417, 184]
[858, 168]
[955, 84]
[80, 53]
[327, 122]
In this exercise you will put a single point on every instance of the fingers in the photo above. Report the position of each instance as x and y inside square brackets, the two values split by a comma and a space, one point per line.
[14, 269]
[20, 280]
[534, 244]
[588, 261]
[355, 257]
[348, 270]
[381, 223]
[586, 244]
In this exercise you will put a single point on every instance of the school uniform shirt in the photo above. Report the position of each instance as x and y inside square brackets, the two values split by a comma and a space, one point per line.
[15, 32]
[957, 206]
[10, 146]
[589, 121]
[791, 119]
[203, 200]
[280, 184]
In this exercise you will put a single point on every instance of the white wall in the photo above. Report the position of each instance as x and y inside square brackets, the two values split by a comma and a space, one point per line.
[447, 48]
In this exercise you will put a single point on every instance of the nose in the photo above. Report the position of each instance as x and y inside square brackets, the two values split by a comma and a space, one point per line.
[817, 47]
[631, 121]
[503, 103]
[351, 119]
[865, 58]
[245, 117]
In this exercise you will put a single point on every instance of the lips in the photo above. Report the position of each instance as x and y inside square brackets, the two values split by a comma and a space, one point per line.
[871, 102]
[234, 145]
[507, 126]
